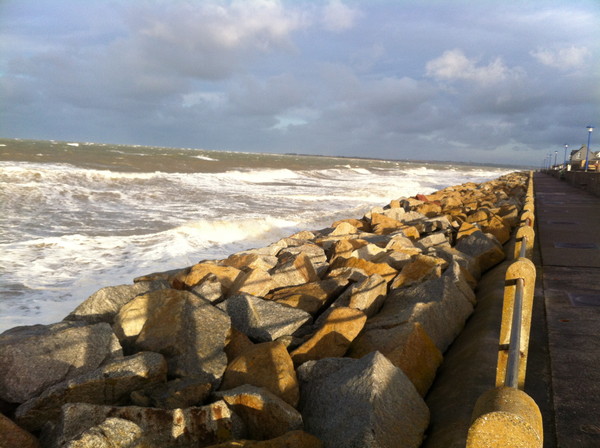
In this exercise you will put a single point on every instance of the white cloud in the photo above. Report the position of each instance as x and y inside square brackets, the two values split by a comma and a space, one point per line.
[563, 58]
[454, 65]
[339, 17]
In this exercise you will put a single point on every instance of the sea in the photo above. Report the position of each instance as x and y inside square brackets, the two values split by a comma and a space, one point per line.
[76, 217]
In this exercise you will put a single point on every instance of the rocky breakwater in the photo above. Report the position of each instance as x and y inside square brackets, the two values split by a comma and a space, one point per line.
[325, 338]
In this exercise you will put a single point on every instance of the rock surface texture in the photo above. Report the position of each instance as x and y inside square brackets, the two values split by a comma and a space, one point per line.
[326, 338]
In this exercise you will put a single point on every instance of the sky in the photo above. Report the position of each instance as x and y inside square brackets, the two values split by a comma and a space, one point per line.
[474, 81]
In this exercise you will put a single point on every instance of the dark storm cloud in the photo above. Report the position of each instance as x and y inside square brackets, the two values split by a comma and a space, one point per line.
[454, 80]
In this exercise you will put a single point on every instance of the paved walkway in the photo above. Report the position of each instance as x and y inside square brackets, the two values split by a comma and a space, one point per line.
[564, 377]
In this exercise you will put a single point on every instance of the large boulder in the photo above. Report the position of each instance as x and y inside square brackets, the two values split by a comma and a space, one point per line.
[407, 346]
[333, 338]
[110, 384]
[254, 281]
[370, 268]
[191, 333]
[366, 295]
[263, 320]
[33, 358]
[265, 365]
[438, 305]
[293, 269]
[112, 432]
[197, 273]
[161, 428]
[483, 247]
[178, 393]
[265, 414]
[104, 304]
[421, 268]
[310, 297]
[361, 403]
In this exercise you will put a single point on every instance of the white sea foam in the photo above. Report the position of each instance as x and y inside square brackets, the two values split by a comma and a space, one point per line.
[66, 231]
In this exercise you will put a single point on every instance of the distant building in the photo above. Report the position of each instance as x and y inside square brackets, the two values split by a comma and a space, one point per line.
[578, 156]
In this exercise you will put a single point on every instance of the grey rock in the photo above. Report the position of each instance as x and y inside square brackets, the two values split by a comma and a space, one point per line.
[315, 253]
[438, 305]
[112, 432]
[367, 295]
[455, 273]
[265, 414]
[485, 248]
[366, 402]
[191, 334]
[104, 304]
[209, 289]
[33, 358]
[162, 428]
[395, 259]
[434, 239]
[263, 320]
[110, 384]
[179, 393]
[450, 254]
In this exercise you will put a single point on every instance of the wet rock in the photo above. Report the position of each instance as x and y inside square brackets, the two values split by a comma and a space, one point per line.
[33, 358]
[104, 304]
[367, 402]
[265, 414]
[110, 384]
[263, 320]
[265, 365]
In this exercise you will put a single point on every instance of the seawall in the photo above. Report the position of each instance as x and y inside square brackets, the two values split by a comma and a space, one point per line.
[326, 338]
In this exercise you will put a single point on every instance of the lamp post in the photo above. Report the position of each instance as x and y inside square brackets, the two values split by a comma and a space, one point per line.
[555, 154]
[566, 147]
[587, 157]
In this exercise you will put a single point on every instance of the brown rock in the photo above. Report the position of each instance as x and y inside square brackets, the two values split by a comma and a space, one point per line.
[251, 260]
[293, 439]
[236, 344]
[384, 225]
[252, 281]
[423, 267]
[225, 274]
[293, 270]
[466, 229]
[429, 209]
[265, 365]
[498, 227]
[13, 436]
[407, 346]
[333, 338]
[265, 414]
[345, 247]
[383, 269]
[310, 297]
[485, 249]
[343, 229]
[363, 226]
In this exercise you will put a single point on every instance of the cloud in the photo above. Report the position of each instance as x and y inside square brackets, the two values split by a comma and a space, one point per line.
[339, 17]
[563, 58]
[454, 65]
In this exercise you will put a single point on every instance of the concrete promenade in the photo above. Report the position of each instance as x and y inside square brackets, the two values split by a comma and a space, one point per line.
[563, 374]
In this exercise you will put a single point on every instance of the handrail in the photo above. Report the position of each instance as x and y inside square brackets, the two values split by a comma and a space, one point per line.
[514, 349]
[506, 412]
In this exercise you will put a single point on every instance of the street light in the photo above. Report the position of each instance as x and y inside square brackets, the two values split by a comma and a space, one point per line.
[587, 157]
[555, 154]
[566, 147]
